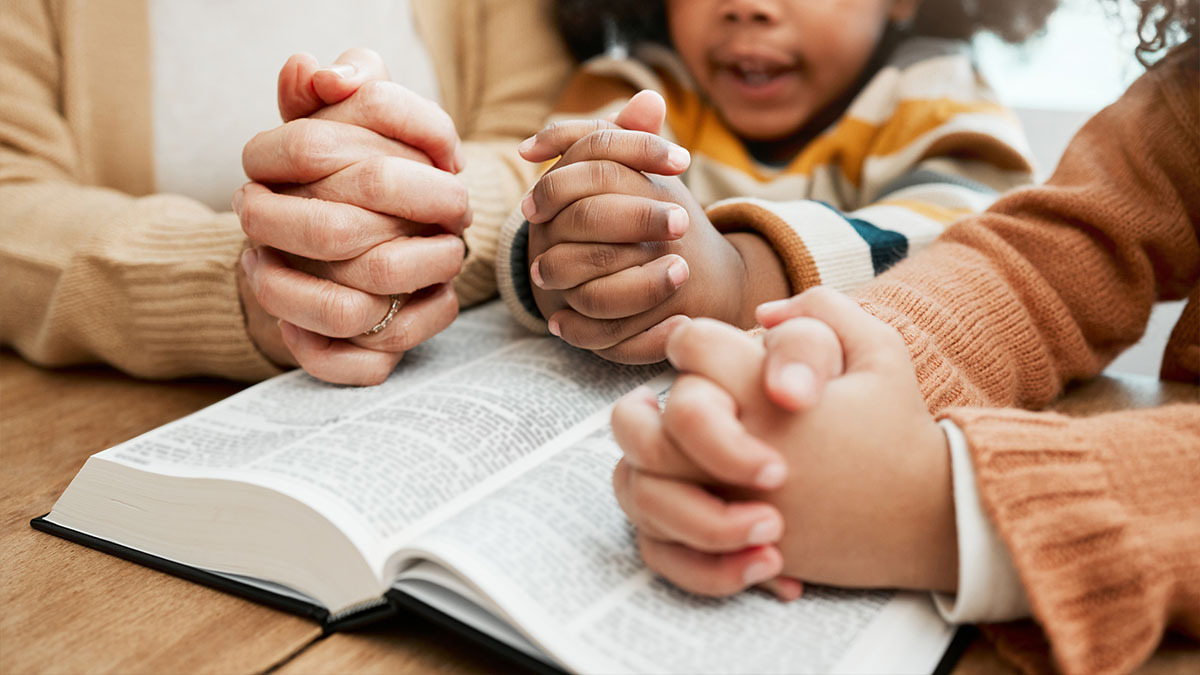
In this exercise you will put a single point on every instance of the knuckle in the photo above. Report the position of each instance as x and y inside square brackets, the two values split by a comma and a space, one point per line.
[400, 335]
[651, 453]
[648, 216]
[328, 234]
[684, 411]
[654, 288]
[311, 146]
[582, 214]
[600, 143]
[601, 258]
[612, 331]
[373, 180]
[713, 533]
[547, 189]
[551, 267]
[342, 316]
[590, 300]
[379, 272]
[602, 174]
[553, 133]
[376, 97]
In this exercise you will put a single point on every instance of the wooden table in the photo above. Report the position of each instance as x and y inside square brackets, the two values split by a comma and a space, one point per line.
[70, 609]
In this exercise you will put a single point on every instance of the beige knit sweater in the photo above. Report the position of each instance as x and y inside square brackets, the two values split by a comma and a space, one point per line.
[96, 267]
[1102, 514]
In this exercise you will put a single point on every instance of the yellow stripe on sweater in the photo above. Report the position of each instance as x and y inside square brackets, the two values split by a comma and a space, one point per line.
[933, 212]
[847, 145]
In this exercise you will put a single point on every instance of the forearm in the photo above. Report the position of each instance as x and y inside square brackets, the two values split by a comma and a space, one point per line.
[147, 285]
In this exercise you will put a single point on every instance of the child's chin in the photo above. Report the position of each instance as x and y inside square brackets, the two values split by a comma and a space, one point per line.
[762, 127]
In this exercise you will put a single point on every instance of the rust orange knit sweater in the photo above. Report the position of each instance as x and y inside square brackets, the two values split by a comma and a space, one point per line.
[1101, 514]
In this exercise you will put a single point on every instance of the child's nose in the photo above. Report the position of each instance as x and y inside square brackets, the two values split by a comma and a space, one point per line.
[750, 11]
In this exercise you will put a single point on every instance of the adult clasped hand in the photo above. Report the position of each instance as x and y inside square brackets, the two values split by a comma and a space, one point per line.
[354, 212]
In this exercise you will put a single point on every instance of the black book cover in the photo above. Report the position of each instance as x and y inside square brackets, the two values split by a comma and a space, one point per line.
[397, 601]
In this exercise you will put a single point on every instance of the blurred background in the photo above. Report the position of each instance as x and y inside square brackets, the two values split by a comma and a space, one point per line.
[1056, 81]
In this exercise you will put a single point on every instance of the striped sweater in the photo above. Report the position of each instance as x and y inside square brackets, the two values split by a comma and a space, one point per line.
[923, 143]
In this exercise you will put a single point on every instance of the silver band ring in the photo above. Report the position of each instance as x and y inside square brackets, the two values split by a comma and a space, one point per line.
[383, 323]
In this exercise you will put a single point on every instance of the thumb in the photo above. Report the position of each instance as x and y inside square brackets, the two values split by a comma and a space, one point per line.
[646, 111]
[802, 355]
[865, 340]
[296, 95]
[354, 68]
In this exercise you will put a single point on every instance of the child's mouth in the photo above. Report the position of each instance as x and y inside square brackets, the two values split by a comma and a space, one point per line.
[756, 79]
[755, 76]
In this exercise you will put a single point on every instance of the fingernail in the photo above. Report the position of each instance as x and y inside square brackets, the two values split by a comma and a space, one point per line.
[342, 70]
[678, 272]
[552, 326]
[250, 262]
[646, 394]
[765, 532]
[527, 144]
[757, 573]
[236, 203]
[677, 221]
[798, 380]
[536, 275]
[527, 207]
[771, 476]
[771, 307]
[678, 158]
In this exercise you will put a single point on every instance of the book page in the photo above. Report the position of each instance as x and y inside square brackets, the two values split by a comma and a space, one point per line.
[377, 460]
[554, 553]
[278, 412]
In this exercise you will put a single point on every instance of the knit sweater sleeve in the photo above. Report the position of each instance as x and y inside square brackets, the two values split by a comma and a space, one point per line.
[91, 274]
[1102, 520]
[1100, 513]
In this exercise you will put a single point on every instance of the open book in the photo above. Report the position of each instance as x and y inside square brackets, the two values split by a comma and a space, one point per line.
[475, 483]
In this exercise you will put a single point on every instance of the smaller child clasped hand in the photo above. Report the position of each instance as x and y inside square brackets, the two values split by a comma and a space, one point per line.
[620, 251]
[809, 455]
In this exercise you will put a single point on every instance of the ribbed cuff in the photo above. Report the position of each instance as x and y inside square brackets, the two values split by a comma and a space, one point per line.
[1102, 521]
[746, 215]
[494, 189]
[512, 273]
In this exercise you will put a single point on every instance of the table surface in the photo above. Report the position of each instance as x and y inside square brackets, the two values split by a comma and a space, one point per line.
[67, 608]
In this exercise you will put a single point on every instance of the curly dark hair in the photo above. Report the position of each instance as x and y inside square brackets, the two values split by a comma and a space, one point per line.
[592, 26]
[1013, 21]
[1161, 25]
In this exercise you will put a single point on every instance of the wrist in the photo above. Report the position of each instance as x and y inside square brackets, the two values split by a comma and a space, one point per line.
[938, 535]
[764, 276]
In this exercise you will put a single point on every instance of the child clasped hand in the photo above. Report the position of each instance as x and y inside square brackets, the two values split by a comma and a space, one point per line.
[821, 426]
[616, 230]
[824, 142]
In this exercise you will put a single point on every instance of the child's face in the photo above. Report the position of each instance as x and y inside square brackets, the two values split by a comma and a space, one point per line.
[770, 65]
